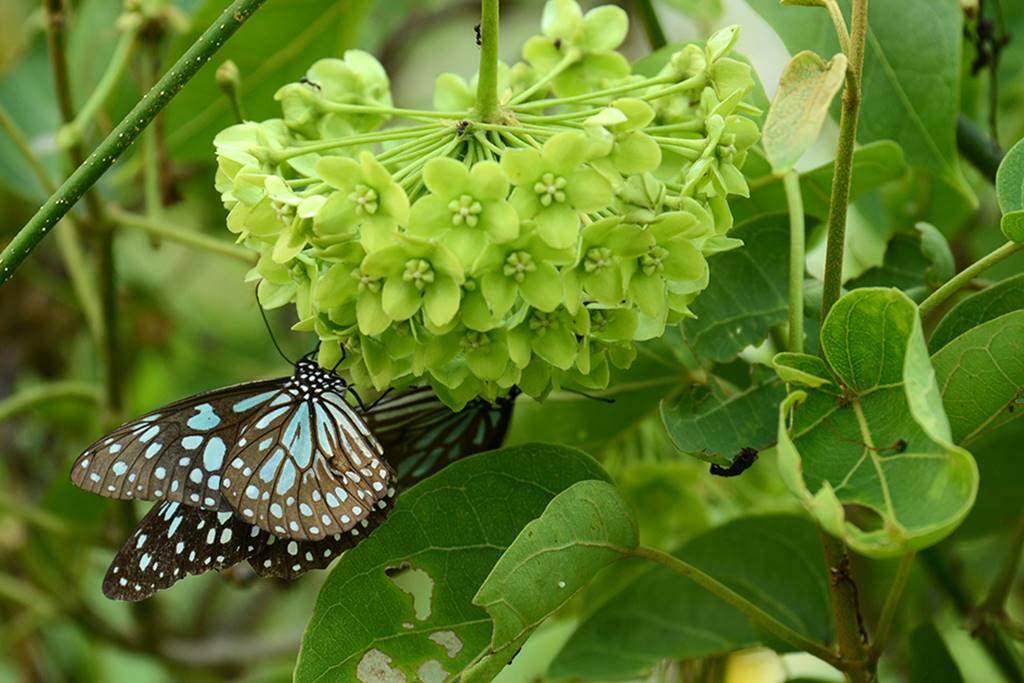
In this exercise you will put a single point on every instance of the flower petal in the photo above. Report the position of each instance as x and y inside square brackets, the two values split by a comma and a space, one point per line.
[441, 300]
[542, 288]
[400, 299]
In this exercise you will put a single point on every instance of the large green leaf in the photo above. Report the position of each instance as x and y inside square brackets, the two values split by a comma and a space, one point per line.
[774, 561]
[1004, 297]
[874, 165]
[274, 47]
[584, 528]
[981, 376]
[714, 423]
[439, 544]
[800, 107]
[875, 436]
[747, 295]
[911, 84]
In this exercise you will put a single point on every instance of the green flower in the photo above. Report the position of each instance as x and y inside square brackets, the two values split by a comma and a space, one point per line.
[549, 335]
[368, 199]
[553, 186]
[586, 43]
[417, 273]
[485, 354]
[357, 78]
[620, 128]
[599, 272]
[474, 312]
[524, 266]
[453, 93]
[672, 257]
[295, 213]
[466, 209]
[612, 324]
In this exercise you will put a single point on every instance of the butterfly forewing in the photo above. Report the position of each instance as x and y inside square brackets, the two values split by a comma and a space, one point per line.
[175, 453]
[307, 467]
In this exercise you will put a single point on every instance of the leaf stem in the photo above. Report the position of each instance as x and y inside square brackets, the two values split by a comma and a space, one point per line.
[843, 176]
[487, 106]
[892, 601]
[71, 133]
[55, 391]
[797, 231]
[839, 22]
[747, 608]
[965, 276]
[350, 140]
[652, 24]
[121, 137]
[157, 228]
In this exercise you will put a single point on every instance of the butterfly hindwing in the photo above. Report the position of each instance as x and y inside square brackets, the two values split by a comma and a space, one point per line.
[174, 453]
[421, 435]
[173, 541]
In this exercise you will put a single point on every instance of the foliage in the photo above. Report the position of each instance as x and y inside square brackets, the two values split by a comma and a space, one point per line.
[690, 488]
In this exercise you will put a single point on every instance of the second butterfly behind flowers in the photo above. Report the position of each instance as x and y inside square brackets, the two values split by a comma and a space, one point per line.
[529, 249]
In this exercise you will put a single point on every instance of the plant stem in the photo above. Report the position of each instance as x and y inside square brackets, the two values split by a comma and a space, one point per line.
[106, 269]
[157, 228]
[18, 138]
[652, 25]
[964, 277]
[151, 144]
[982, 151]
[749, 609]
[839, 22]
[892, 601]
[843, 176]
[71, 133]
[850, 634]
[795, 201]
[54, 391]
[487, 107]
[123, 135]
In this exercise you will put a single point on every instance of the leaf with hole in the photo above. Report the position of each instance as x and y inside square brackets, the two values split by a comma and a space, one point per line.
[871, 454]
[401, 600]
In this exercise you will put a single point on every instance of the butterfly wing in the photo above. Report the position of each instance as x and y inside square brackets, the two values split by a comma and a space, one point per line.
[174, 453]
[173, 541]
[421, 435]
[308, 468]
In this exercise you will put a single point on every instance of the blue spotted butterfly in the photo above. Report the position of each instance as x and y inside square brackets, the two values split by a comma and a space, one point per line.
[181, 536]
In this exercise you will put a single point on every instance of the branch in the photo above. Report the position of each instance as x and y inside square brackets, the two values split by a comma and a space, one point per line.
[195, 240]
[652, 25]
[123, 135]
[982, 151]
[965, 276]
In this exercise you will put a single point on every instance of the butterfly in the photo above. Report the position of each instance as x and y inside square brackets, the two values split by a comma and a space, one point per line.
[289, 455]
[418, 434]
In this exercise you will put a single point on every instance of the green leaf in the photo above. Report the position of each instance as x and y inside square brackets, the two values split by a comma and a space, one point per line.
[747, 295]
[874, 165]
[774, 561]
[911, 86]
[1010, 180]
[274, 47]
[916, 261]
[981, 375]
[1002, 479]
[584, 528]
[877, 438]
[714, 423]
[930, 660]
[800, 106]
[401, 600]
[1012, 225]
[999, 299]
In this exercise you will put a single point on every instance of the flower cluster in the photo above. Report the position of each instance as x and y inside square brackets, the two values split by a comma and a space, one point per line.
[529, 249]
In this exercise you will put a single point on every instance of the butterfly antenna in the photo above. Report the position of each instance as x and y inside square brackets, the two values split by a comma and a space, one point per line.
[270, 330]
[602, 399]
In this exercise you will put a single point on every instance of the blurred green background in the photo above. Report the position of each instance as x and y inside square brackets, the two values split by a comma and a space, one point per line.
[188, 322]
